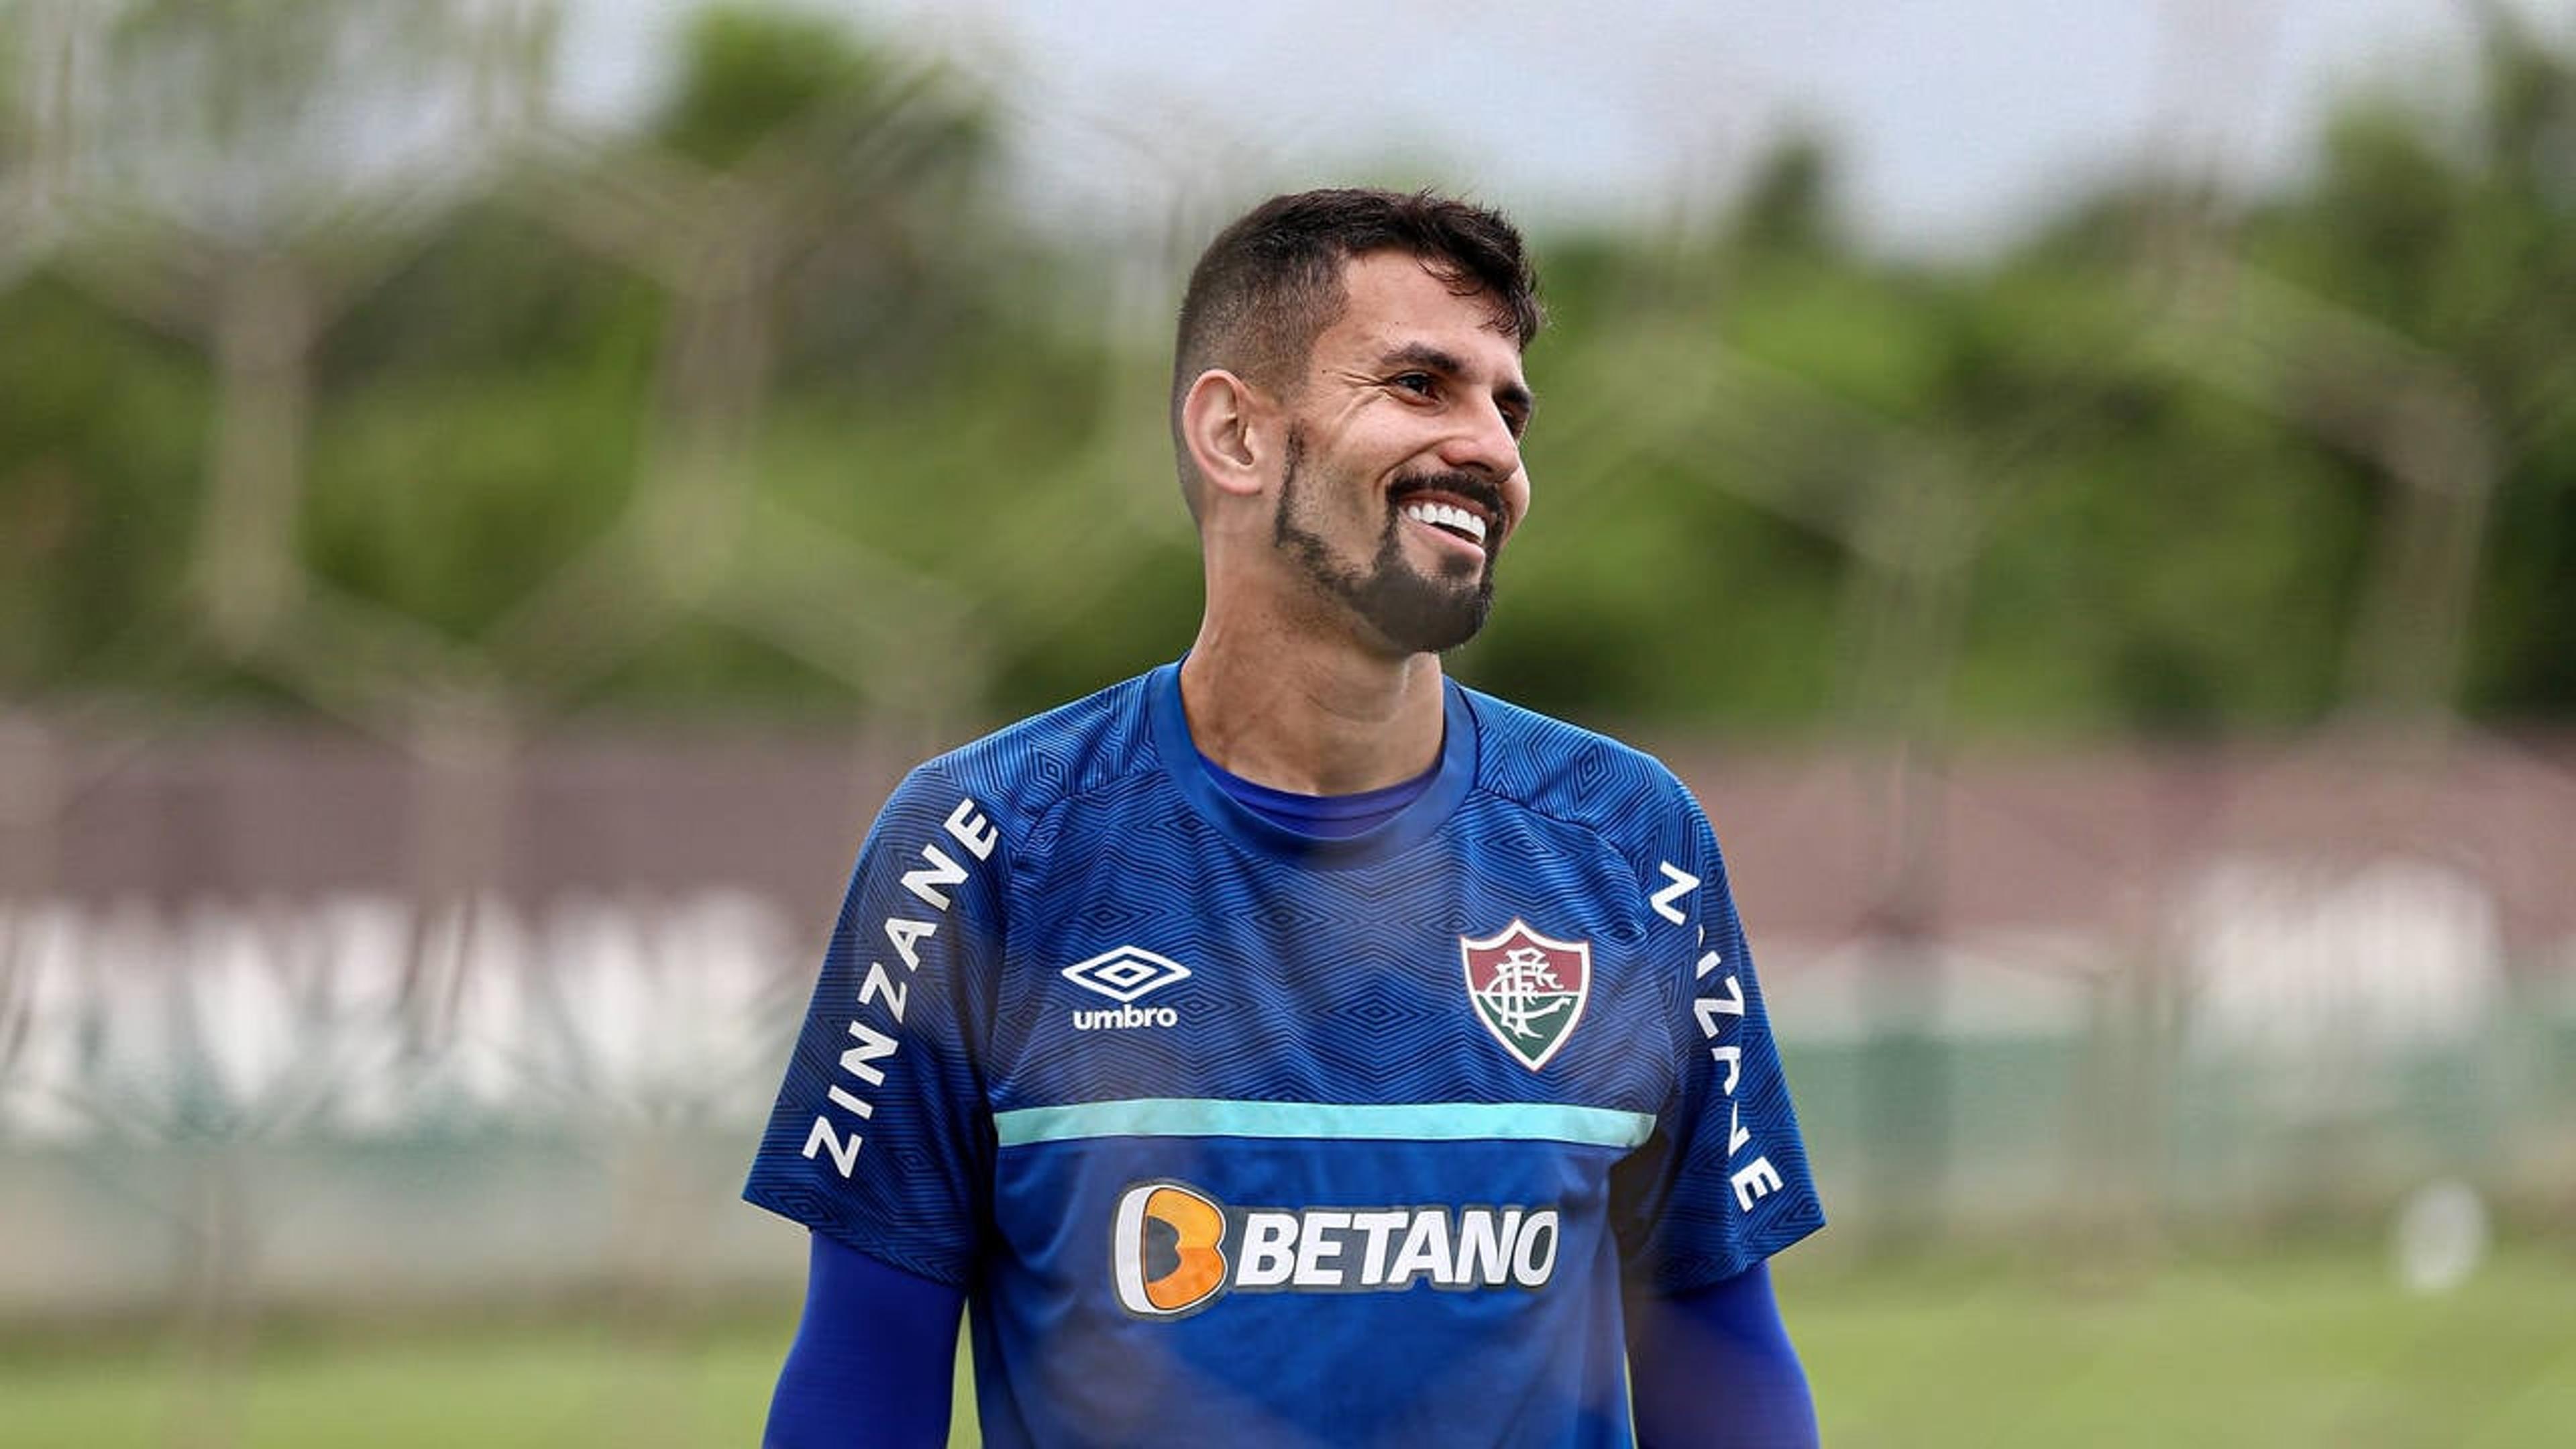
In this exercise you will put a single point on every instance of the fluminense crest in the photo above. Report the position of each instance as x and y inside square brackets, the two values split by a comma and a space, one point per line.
[1527, 989]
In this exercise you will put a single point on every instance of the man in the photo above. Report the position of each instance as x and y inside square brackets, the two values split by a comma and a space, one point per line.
[1290, 1046]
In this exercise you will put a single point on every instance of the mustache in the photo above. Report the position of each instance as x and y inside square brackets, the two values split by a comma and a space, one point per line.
[1474, 487]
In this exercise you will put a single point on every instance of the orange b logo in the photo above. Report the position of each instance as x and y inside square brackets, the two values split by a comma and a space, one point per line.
[1168, 1249]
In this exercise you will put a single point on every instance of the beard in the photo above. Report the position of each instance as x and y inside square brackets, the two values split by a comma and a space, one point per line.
[1415, 612]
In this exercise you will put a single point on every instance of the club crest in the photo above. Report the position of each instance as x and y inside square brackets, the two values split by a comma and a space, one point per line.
[1527, 989]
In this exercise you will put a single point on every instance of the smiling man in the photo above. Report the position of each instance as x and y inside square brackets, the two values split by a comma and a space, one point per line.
[1291, 1046]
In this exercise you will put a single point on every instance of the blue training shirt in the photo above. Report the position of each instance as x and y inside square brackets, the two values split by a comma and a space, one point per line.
[1238, 1135]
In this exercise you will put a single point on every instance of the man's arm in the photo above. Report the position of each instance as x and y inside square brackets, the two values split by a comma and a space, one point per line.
[873, 1358]
[1721, 1186]
[1715, 1367]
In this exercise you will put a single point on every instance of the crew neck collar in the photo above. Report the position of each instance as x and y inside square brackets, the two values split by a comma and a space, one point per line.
[1453, 775]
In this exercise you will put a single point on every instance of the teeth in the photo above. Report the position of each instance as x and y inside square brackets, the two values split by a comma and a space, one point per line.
[1448, 515]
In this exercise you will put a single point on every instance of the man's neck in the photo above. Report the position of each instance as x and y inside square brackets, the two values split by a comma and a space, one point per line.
[1311, 716]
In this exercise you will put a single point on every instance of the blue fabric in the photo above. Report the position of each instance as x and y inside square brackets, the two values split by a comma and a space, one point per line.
[1327, 815]
[1715, 1367]
[872, 1359]
[1074, 912]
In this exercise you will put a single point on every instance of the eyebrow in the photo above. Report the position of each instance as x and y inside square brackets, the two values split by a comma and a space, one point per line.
[1424, 355]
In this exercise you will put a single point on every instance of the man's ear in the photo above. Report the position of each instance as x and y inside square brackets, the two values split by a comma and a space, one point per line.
[1227, 424]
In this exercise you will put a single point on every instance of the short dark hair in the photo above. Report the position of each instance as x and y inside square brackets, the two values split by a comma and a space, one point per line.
[1272, 282]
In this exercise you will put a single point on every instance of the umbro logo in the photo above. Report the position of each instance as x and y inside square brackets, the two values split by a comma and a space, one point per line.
[1123, 975]
[1126, 973]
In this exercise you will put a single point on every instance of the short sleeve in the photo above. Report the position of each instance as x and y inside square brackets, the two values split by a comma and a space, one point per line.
[882, 1137]
[1722, 1183]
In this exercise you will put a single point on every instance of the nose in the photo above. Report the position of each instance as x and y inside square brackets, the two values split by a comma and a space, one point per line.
[1483, 443]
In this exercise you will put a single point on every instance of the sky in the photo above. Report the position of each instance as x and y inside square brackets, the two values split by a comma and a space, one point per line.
[1956, 121]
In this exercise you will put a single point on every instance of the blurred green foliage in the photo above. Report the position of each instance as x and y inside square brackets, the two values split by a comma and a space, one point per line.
[2093, 517]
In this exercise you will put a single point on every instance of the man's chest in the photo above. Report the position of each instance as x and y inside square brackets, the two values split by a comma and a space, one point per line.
[1455, 976]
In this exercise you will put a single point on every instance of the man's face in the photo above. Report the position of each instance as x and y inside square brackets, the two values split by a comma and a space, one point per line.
[1402, 472]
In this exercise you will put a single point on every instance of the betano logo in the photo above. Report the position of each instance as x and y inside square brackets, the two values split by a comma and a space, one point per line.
[1169, 1249]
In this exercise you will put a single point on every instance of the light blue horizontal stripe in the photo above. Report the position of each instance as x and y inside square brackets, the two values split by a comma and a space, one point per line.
[1326, 1121]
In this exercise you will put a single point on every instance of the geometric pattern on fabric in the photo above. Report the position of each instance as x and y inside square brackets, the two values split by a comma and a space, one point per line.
[1299, 1134]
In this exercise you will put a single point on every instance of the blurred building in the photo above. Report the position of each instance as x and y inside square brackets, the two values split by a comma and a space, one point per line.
[295, 998]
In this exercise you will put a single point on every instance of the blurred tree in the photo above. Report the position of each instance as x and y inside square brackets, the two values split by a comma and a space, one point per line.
[1787, 206]
[2459, 233]
[749, 73]
[697, 413]
[613, 330]
[250, 121]
[888, 161]
[102, 429]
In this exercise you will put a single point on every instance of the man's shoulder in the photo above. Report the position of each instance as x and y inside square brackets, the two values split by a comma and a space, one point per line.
[1570, 773]
[1021, 772]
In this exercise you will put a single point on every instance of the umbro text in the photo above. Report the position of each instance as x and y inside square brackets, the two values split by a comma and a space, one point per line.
[1110, 1018]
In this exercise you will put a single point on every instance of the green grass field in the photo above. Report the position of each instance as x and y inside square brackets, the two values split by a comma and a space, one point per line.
[2282, 1349]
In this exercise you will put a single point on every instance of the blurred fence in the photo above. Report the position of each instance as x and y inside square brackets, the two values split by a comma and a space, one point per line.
[448, 964]
[255, 1021]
